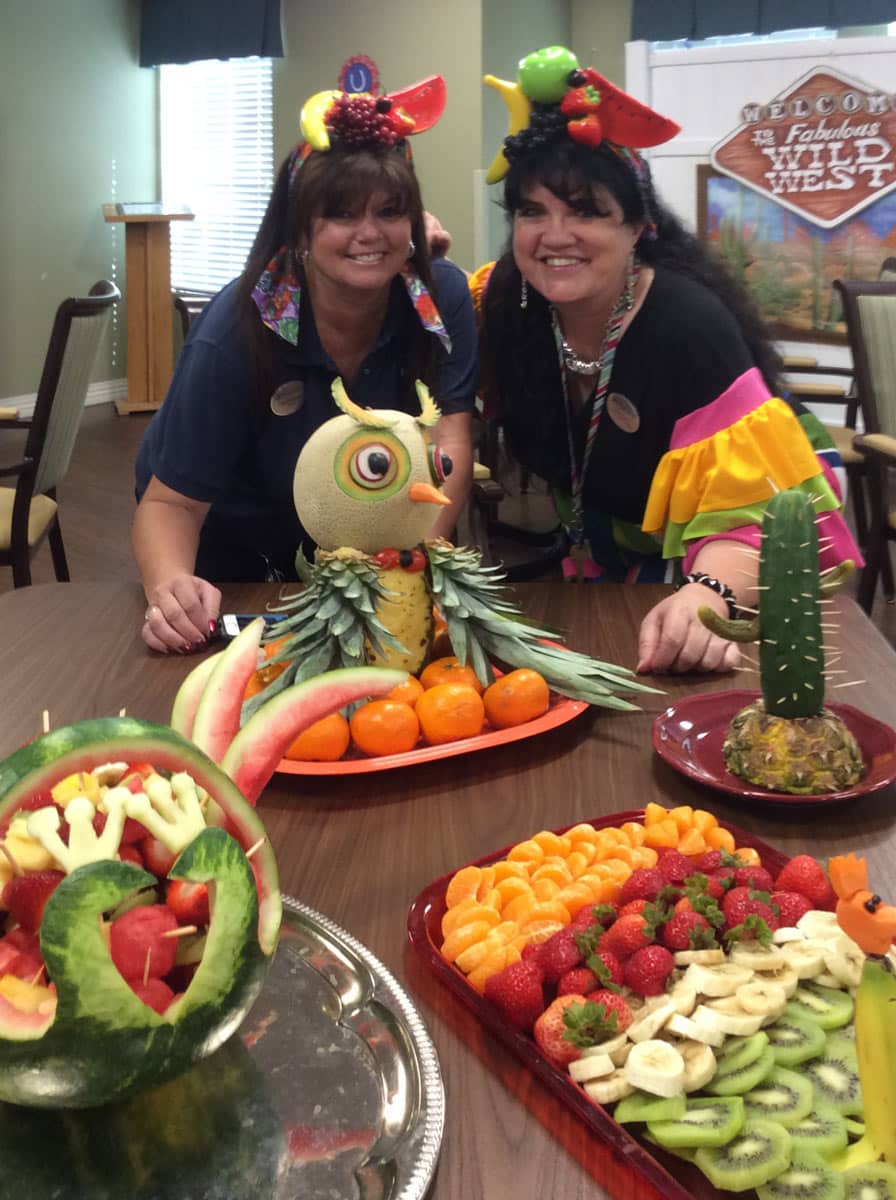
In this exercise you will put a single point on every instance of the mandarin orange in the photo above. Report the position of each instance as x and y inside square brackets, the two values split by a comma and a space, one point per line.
[450, 711]
[449, 670]
[384, 727]
[515, 698]
[324, 741]
[408, 692]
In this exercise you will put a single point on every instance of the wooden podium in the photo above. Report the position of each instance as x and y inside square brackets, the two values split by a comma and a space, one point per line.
[149, 303]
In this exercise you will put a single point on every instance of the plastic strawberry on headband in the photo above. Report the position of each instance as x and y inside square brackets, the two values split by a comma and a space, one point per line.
[552, 95]
[359, 119]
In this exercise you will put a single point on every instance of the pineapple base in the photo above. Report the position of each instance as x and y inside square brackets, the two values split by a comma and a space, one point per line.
[406, 611]
[800, 755]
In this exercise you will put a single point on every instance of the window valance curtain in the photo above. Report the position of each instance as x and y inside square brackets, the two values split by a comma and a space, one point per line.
[183, 31]
[667, 20]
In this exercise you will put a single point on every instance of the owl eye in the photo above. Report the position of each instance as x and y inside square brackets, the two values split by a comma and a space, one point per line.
[440, 464]
[373, 466]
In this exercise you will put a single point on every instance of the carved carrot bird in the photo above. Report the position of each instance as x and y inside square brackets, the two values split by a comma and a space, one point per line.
[861, 913]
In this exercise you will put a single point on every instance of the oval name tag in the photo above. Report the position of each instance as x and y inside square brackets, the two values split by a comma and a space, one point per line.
[623, 413]
[288, 398]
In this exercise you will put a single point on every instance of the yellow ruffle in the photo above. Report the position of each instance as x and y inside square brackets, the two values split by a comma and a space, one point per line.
[743, 464]
[477, 284]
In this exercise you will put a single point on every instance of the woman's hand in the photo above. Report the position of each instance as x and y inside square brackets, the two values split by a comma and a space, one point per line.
[674, 639]
[437, 238]
[180, 614]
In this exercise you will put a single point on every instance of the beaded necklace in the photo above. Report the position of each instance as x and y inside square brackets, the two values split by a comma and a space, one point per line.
[579, 564]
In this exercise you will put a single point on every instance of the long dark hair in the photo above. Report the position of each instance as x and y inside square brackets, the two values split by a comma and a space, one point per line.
[339, 180]
[523, 336]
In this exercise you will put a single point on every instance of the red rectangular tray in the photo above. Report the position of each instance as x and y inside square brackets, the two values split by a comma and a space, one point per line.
[669, 1177]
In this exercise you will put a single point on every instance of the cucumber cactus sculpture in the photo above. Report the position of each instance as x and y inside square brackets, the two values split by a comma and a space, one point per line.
[788, 741]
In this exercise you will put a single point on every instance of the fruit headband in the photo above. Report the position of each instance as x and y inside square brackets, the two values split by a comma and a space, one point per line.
[552, 95]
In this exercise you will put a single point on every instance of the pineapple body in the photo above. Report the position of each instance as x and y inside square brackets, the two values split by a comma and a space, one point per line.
[406, 612]
[800, 755]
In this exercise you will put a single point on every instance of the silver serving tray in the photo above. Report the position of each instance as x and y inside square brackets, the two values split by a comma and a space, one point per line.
[330, 1091]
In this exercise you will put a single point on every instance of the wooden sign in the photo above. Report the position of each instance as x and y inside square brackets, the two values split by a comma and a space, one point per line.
[825, 148]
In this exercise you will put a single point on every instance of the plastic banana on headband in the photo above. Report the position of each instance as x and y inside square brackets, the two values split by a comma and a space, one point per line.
[553, 96]
[358, 120]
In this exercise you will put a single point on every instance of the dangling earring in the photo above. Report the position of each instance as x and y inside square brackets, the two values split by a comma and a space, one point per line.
[524, 292]
[631, 281]
[412, 249]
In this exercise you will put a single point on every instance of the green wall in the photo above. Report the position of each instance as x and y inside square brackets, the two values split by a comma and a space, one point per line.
[600, 29]
[78, 129]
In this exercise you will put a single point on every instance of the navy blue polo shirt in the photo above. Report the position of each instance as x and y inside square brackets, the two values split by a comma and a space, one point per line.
[209, 441]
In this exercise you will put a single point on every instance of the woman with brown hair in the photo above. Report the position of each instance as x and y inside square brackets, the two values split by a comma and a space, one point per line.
[339, 282]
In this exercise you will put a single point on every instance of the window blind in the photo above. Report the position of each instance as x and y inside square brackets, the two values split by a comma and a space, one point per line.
[217, 158]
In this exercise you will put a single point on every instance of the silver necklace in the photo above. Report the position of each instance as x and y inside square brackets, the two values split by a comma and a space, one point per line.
[591, 366]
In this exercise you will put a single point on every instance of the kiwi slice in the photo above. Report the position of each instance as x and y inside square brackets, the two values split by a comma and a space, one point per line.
[734, 1081]
[841, 1047]
[823, 1130]
[739, 1052]
[687, 1153]
[782, 1096]
[808, 1176]
[705, 1122]
[873, 1181]
[828, 1007]
[794, 1039]
[754, 1156]
[836, 1082]
[855, 1129]
[641, 1106]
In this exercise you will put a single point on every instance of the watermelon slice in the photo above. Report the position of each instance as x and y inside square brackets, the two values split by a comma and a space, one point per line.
[220, 704]
[183, 711]
[423, 102]
[626, 121]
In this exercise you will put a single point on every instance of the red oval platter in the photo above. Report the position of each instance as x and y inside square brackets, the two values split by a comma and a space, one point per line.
[689, 736]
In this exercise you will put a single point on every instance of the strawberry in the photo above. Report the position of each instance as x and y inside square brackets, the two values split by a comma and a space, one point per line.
[517, 992]
[580, 100]
[158, 858]
[756, 878]
[26, 895]
[629, 934]
[613, 1005]
[644, 884]
[633, 906]
[743, 902]
[558, 955]
[130, 854]
[647, 970]
[155, 993]
[137, 936]
[24, 940]
[682, 932]
[587, 131]
[188, 901]
[131, 833]
[673, 866]
[28, 967]
[791, 906]
[577, 982]
[807, 876]
[550, 1030]
[606, 966]
[597, 914]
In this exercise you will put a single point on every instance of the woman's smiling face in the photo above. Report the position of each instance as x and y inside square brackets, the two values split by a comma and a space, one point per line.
[362, 249]
[575, 250]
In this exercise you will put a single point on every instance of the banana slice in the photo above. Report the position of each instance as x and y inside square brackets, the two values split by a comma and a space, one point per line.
[649, 1024]
[592, 1066]
[826, 979]
[728, 1016]
[609, 1089]
[787, 933]
[760, 958]
[609, 1047]
[655, 1067]
[721, 980]
[684, 996]
[818, 923]
[845, 960]
[787, 978]
[763, 998]
[699, 1064]
[706, 958]
[806, 958]
[685, 1027]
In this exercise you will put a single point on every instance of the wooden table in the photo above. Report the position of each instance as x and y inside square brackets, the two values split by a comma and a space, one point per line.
[361, 848]
[148, 300]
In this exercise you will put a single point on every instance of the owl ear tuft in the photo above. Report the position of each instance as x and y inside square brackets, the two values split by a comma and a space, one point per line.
[429, 410]
[368, 417]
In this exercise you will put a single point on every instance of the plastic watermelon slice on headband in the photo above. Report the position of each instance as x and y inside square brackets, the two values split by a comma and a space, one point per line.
[625, 120]
[423, 102]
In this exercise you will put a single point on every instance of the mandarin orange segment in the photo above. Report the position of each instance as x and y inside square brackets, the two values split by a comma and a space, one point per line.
[748, 856]
[545, 889]
[575, 896]
[468, 960]
[634, 832]
[511, 887]
[578, 862]
[720, 839]
[653, 813]
[623, 853]
[644, 857]
[583, 832]
[558, 872]
[519, 908]
[552, 843]
[495, 962]
[692, 843]
[683, 816]
[704, 821]
[468, 914]
[455, 917]
[547, 910]
[505, 869]
[492, 899]
[539, 930]
[463, 938]
[528, 851]
[617, 869]
[602, 887]
[513, 954]
[486, 882]
[662, 833]
[463, 883]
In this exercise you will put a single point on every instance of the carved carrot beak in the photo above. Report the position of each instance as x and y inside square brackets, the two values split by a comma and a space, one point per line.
[425, 493]
[868, 921]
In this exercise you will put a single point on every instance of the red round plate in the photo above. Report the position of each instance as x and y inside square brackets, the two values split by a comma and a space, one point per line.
[559, 713]
[690, 733]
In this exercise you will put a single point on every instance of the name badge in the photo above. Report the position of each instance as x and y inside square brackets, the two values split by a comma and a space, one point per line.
[288, 398]
[623, 413]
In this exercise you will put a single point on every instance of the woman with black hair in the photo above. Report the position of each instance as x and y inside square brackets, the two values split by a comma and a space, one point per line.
[632, 373]
[339, 282]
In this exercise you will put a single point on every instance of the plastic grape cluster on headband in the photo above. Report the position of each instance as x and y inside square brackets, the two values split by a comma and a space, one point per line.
[590, 107]
[360, 119]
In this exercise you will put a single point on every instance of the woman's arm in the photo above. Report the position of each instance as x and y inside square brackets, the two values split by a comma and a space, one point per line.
[453, 434]
[165, 536]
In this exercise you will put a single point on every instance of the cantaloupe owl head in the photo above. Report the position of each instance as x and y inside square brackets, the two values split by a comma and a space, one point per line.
[371, 478]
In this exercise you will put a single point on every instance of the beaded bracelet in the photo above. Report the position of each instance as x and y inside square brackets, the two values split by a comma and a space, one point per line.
[716, 585]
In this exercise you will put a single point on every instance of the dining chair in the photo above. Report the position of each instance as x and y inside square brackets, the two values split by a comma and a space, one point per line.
[29, 510]
[870, 312]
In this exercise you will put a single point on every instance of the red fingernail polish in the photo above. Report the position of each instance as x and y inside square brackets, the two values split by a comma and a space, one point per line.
[212, 626]
[186, 647]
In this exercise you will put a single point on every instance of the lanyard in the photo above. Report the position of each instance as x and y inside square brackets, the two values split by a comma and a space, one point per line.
[577, 471]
